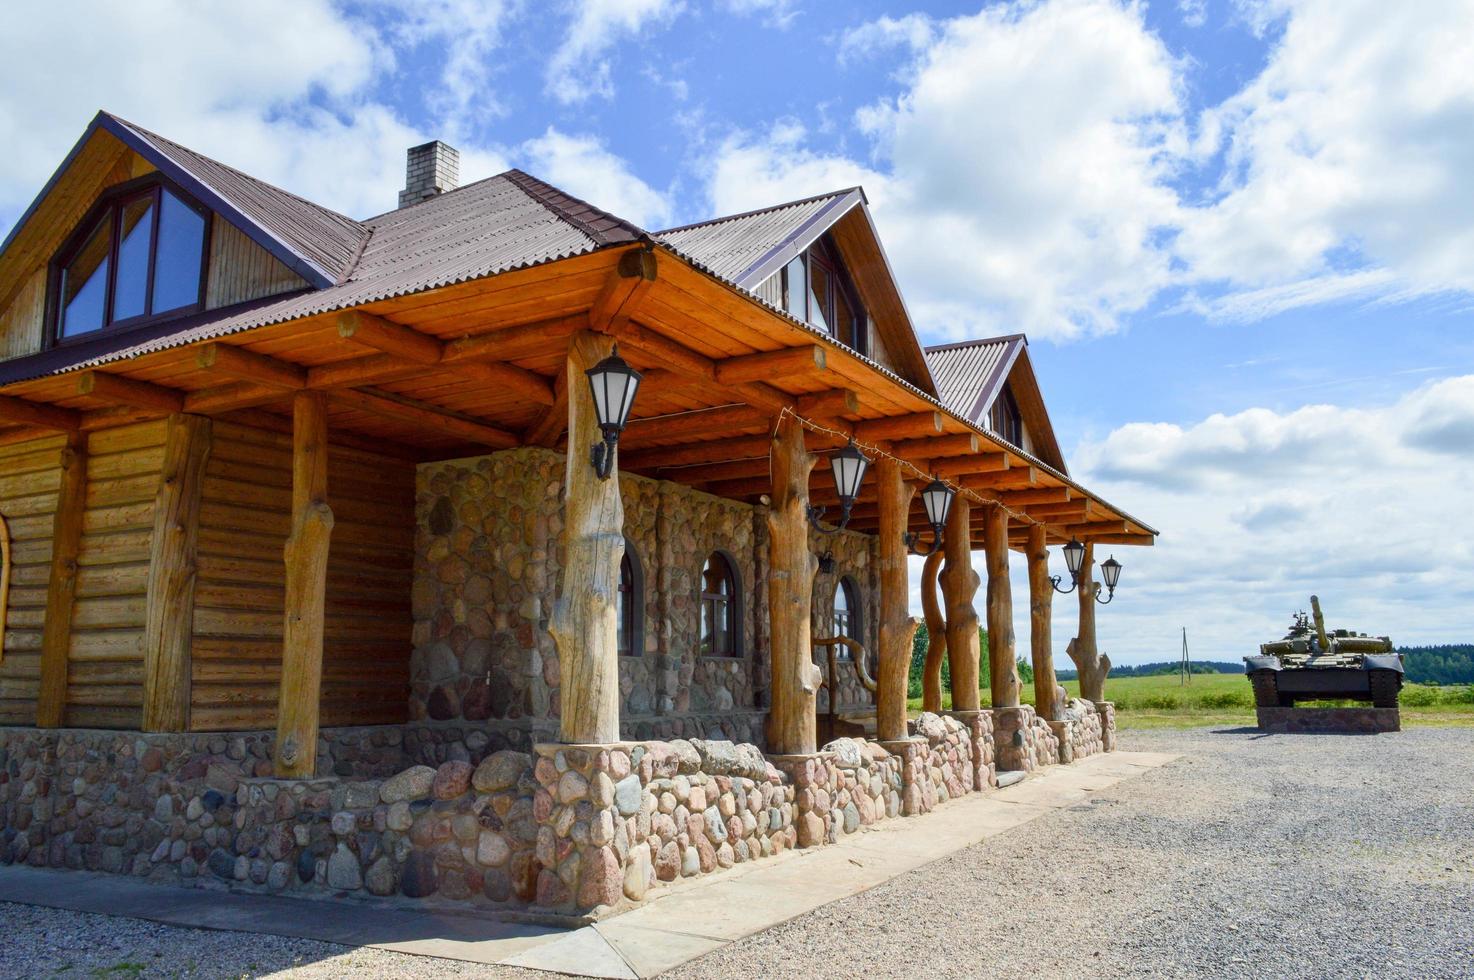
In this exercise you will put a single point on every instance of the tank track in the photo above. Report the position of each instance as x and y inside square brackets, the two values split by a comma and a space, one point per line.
[1266, 691]
[1385, 685]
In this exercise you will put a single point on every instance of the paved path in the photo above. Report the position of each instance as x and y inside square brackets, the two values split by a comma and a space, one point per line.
[689, 920]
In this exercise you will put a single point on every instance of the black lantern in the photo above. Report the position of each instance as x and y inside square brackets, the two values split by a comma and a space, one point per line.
[848, 466]
[826, 563]
[613, 384]
[1074, 555]
[1110, 570]
[937, 499]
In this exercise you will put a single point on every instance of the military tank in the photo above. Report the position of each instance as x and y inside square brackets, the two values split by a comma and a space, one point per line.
[1311, 664]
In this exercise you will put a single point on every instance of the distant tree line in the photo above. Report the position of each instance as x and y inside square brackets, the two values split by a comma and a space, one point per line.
[1166, 667]
[1450, 663]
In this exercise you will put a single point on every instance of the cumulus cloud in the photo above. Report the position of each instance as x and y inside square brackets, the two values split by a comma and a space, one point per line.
[1363, 506]
[913, 32]
[584, 167]
[580, 67]
[469, 31]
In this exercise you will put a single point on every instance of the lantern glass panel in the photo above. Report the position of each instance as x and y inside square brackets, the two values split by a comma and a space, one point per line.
[1074, 555]
[849, 466]
[937, 499]
[613, 384]
[1110, 570]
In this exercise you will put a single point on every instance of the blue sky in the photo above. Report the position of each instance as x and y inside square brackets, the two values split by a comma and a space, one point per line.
[1239, 233]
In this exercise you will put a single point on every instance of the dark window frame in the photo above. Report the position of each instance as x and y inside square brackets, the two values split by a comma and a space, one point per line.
[110, 205]
[826, 255]
[1005, 419]
[632, 592]
[854, 614]
[733, 601]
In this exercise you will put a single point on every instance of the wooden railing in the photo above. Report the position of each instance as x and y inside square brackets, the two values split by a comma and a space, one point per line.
[857, 657]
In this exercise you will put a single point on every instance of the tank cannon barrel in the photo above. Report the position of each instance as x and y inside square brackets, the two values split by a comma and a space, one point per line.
[1320, 623]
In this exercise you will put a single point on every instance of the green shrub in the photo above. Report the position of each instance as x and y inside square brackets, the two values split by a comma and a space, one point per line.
[1227, 699]
[1418, 696]
[1459, 695]
[1161, 702]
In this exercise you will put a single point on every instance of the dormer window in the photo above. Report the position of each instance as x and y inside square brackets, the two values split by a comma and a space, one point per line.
[138, 256]
[817, 289]
[1004, 418]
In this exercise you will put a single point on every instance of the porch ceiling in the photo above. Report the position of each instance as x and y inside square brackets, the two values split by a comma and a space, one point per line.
[467, 368]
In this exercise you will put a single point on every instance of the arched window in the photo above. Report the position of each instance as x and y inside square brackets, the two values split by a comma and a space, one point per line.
[847, 613]
[721, 600]
[138, 256]
[631, 603]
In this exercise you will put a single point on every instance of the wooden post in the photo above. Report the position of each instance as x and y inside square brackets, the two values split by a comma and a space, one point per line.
[1002, 670]
[585, 621]
[1041, 611]
[896, 627]
[169, 617]
[959, 586]
[61, 589]
[306, 590]
[1089, 664]
[936, 634]
[791, 568]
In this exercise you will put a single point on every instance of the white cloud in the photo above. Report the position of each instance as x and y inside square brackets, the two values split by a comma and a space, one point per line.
[1018, 180]
[582, 166]
[1258, 510]
[579, 69]
[469, 30]
[776, 13]
[1194, 12]
[913, 32]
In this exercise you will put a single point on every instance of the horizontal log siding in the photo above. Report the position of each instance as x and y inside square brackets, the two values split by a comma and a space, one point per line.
[244, 517]
[105, 659]
[30, 473]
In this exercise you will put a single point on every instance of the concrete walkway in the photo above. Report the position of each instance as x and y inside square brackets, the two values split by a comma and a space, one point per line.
[686, 920]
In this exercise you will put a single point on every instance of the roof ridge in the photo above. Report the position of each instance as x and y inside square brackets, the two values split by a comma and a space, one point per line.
[976, 342]
[767, 210]
[576, 211]
[150, 134]
[434, 197]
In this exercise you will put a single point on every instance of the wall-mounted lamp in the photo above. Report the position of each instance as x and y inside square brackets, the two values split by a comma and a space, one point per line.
[613, 383]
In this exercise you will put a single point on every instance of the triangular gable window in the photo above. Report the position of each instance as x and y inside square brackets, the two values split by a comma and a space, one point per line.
[817, 289]
[138, 257]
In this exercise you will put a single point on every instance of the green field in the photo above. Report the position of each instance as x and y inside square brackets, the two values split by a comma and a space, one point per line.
[1225, 699]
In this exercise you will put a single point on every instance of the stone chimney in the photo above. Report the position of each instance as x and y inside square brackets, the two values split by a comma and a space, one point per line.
[431, 169]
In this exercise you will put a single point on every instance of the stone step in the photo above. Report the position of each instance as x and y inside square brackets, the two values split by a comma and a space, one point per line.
[1007, 779]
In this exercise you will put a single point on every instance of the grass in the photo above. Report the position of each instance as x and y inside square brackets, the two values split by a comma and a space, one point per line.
[1226, 699]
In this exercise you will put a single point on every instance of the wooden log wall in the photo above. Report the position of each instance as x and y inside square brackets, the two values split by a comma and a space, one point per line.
[245, 517]
[241, 270]
[30, 474]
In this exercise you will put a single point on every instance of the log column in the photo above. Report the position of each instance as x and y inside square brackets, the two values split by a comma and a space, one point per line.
[897, 628]
[61, 589]
[306, 590]
[959, 586]
[1002, 670]
[169, 617]
[585, 621]
[791, 566]
[1041, 611]
[1091, 666]
[936, 634]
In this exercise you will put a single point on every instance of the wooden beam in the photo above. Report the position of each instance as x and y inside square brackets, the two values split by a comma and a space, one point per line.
[306, 591]
[1002, 670]
[956, 444]
[896, 628]
[741, 447]
[1140, 539]
[899, 427]
[228, 398]
[796, 678]
[735, 469]
[677, 357]
[554, 419]
[22, 412]
[584, 620]
[828, 405]
[382, 404]
[1017, 478]
[767, 365]
[497, 375]
[388, 336]
[61, 588]
[959, 586]
[126, 391]
[688, 426]
[625, 291]
[373, 369]
[169, 617]
[1089, 531]
[514, 343]
[969, 465]
[1040, 495]
[236, 362]
[1047, 701]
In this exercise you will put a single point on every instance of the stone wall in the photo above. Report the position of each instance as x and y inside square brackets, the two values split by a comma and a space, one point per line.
[850, 783]
[1023, 741]
[1079, 732]
[1107, 712]
[487, 564]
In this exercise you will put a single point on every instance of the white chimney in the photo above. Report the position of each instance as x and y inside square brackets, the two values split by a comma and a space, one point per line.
[432, 168]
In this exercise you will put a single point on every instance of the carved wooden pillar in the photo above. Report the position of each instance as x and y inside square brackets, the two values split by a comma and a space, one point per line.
[585, 621]
[168, 632]
[896, 627]
[959, 586]
[791, 566]
[936, 634]
[306, 590]
[1002, 671]
[61, 589]
[1041, 603]
[1090, 665]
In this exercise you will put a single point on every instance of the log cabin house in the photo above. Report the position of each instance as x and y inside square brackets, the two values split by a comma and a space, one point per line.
[300, 521]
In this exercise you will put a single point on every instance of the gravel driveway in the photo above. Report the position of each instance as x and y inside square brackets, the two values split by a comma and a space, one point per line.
[1285, 856]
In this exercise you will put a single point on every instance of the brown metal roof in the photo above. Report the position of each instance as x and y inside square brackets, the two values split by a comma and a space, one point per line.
[741, 247]
[969, 375]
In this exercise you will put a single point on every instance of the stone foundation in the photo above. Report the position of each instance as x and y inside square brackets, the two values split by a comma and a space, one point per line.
[1079, 732]
[1107, 712]
[1024, 741]
[1359, 720]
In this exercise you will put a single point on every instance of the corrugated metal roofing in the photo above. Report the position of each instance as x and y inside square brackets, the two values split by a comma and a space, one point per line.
[969, 375]
[734, 246]
[326, 239]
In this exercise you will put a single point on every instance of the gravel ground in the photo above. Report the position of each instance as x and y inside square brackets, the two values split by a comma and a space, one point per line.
[1287, 856]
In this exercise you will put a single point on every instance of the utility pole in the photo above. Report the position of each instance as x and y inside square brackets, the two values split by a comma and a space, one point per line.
[1185, 670]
